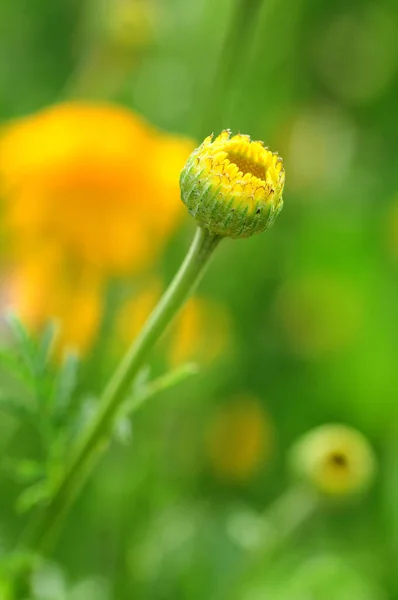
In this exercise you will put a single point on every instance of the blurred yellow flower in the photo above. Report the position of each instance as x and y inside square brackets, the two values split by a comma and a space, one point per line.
[94, 179]
[239, 439]
[38, 295]
[201, 333]
[90, 192]
[335, 459]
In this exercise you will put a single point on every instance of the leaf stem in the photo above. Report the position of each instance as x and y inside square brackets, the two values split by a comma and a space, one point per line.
[162, 383]
[96, 438]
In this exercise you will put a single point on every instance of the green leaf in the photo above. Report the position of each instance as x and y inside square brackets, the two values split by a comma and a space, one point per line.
[33, 495]
[24, 342]
[24, 470]
[45, 346]
[123, 431]
[15, 366]
[17, 408]
[165, 382]
[141, 381]
[66, 383]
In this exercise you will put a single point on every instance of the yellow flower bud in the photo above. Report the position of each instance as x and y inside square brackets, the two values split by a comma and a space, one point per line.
[337, 461]
[233, 186]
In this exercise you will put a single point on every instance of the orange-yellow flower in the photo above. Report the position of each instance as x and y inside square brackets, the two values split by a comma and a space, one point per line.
[76, 305]
[94, 179]
[90, 191]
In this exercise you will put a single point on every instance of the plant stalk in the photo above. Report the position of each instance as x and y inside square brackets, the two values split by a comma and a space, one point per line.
[96, 438]
[278, 525]
[230, 68]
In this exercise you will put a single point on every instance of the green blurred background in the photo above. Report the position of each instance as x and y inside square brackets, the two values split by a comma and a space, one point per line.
[312, 302]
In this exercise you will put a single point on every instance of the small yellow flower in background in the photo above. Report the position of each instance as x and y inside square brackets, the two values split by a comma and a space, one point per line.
[201, 333]
[239, 439]
[93, 178]
[335, 460]
[233, 186]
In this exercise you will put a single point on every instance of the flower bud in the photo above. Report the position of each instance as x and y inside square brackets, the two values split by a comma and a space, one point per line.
[233, 186]
[337, 461]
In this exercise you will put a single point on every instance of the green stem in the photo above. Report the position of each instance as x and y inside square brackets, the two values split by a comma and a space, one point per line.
[162, 383]
[286, 516]
[98, 434]
[229, 71]
[278, 525]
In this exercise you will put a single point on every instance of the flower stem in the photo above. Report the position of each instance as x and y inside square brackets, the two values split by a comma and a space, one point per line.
[96, 438]
[277, 526]
[286, 516]
[281, 521]
[230, 66]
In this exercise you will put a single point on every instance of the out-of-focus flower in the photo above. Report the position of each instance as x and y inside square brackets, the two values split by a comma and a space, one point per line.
[318, 315]
[239, 439]
[202, 332]
[90, 192]
[74, 303]
[233, 186]
[335, 460]
[95, 180]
